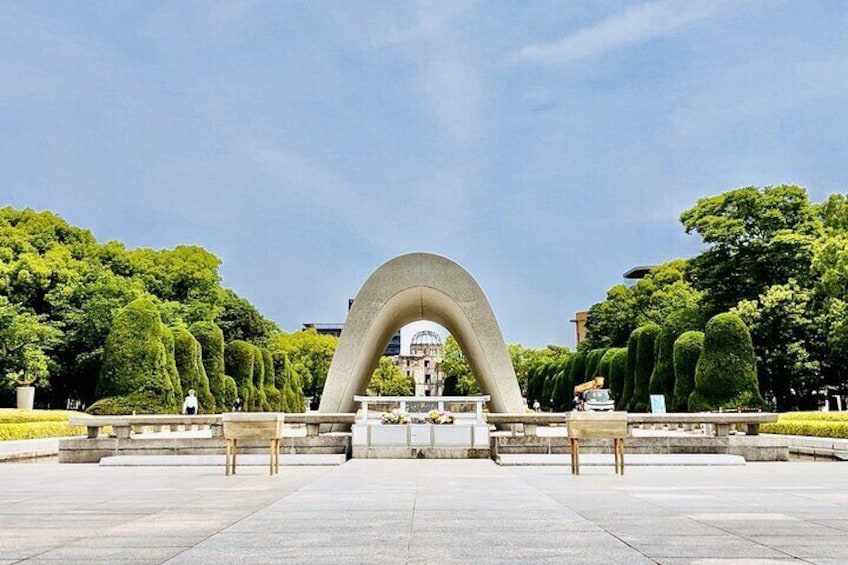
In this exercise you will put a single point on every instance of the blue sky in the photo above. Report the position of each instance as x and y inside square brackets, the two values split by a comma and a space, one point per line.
[545, 146]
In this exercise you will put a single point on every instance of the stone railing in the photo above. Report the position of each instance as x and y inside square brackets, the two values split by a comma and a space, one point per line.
[124, 427]
[721, 423]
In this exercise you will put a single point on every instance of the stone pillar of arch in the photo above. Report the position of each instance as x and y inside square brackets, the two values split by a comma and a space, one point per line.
[420, 286]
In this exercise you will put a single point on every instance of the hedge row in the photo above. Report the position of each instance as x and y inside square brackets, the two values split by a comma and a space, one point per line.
[817, 428]
[815, 416]
[36, 430]
[14, 416]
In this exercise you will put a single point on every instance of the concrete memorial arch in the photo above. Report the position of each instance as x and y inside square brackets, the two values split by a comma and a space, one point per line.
[420, 286]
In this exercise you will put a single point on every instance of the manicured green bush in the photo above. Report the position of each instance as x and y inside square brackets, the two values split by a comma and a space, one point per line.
[15, 416]
[37, 430]
[604, 365]
[662, 377]
[238, 362]
[211, 340]
[562, 385]
[593, 360]
[230, 393]
[189, 362]
[815, 428]
[641, 400]
[274, 400]
[687, 351]
[814, 416]
[173, 374]
[630, 370]
[617, 373]
[137, 371]
[548, 387]
[577, 372]
[726, 374]
[260, 403]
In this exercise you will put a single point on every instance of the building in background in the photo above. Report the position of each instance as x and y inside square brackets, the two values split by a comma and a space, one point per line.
[335, 329]
[424, 363]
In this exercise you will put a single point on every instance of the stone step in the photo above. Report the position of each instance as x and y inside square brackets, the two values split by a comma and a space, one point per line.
[286, 460]
[635, 460]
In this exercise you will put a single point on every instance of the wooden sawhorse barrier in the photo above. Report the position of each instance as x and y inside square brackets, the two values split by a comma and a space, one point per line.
[266, 426]
[597, 425]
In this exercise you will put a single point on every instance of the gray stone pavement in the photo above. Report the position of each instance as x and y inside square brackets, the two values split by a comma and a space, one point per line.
[425, 511]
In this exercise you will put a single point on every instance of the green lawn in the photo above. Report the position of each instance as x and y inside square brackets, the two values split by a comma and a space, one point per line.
[818, 424]
[34, 424]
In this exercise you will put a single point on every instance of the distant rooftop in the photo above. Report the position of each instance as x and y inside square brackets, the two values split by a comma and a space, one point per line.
[638, 272]
[320, 326]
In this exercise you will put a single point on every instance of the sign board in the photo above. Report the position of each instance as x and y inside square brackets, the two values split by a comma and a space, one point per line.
[658, 404]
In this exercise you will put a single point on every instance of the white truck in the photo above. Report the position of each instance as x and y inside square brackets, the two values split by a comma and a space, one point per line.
[595, 397]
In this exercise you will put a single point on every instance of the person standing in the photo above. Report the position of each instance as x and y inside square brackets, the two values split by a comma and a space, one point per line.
[190, 403]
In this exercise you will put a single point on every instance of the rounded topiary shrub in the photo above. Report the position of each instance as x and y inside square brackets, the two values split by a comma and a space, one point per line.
[577, 373]
[617, 373]
[238, 362]
[687, 351]
[593, 361]
[136, 374]
[604, 365]
[641, 400]
[260, 402]
[726, 373]
[562, 385]
[189, 362]
[230, 393]
[662, 378]
[275, 403]
[630, 369]
[548, 387]
[173, 374]
[211, 340]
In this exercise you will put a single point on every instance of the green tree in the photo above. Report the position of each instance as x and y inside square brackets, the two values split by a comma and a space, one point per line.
[756, 237]
[618, 372]
[726, 374]
[456, 367]
[786, 339]
[310, 355]
[388, 380]
[240, 320]
[24, 340]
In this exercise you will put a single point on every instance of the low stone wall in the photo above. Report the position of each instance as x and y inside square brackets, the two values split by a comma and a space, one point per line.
[406, 452]
[752, 448]
[85, 450]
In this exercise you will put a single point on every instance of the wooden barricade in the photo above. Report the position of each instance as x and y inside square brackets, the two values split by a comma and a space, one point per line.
[597, 425]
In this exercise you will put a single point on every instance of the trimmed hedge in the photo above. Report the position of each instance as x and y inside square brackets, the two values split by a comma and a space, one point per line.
[275, 396]
[230, 393]
[593, 360]
[641, 400]
[686, 352]
[577, 372]
[260, 403]
[211, 340]
[629, 371]
[562, 385]
[136, 364]
[618, 369]
[662, 378]
[816, 428]
[548, 387]
[189, 362]
[238, 362]
[136, 402]
[726, 374]
[604, 365]
[37, 430]
[15, 416]
[171, 366]
[815, 416]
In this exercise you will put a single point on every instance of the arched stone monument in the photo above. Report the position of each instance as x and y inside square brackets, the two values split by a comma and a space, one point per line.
[420, 286]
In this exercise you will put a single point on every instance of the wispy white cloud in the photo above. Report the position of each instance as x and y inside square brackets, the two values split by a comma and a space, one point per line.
[630, 26]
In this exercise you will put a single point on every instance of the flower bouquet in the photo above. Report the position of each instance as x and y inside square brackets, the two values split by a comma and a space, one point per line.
[395, 417]
[438, 417]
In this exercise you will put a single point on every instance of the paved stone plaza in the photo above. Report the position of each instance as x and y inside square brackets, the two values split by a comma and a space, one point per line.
[430, 511]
